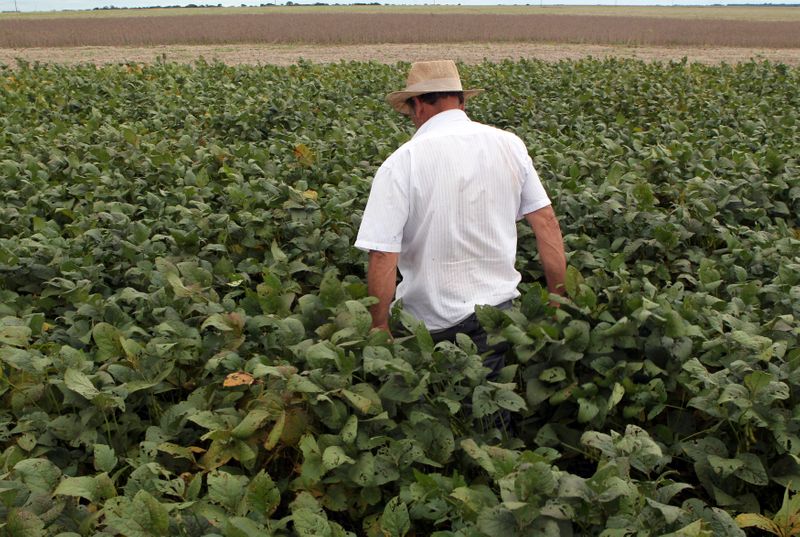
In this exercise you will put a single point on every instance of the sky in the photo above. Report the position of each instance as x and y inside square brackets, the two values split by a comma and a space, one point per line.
[55, 5]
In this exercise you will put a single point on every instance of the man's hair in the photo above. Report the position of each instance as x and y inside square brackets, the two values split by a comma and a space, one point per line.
[432, 98]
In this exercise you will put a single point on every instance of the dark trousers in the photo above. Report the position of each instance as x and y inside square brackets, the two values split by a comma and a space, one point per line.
[494, 359]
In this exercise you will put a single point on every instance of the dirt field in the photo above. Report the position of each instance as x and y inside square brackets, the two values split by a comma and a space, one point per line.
[742, 13]
[390, 53]
[363, 28]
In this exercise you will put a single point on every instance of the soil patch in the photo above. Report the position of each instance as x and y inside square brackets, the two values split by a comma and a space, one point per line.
[390, 53]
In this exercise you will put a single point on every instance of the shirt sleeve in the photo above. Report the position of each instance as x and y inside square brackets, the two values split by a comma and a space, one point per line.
[533, 196]
[387, 210]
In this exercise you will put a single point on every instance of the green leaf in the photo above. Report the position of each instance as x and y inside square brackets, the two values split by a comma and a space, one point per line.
[695, 529]
[483, 403]
[40, 475]
[572, 486]
[498, 521]
[576, 335]
[350, 430]
[752, 470]
[535, 479]
[244, 527]
[491, 319]
[80, 383]
[104, 458]
[92, 488]
[251, 423]
[175, 282]
[669, 512]
[572, 281]
[209, 420]
[311, 523]
[24, 360]
[14, 335]
[510, 400]
[424, 338]
[479, 455]
[331, 292]
[617, 394]
[724, 467]
[263, 496]
[614, 488]
[277, 253]
[359, 401]
[151, 514]
[356, 316]
[395, 521]
[587, 410]
[334, 456]
[321, 355]
[553, 374]
[751, 341]
[226, 489]
[362, 473]
[276, 433]
[143, 516]
[107, 339]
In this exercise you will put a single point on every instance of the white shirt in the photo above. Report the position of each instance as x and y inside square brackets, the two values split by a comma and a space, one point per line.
[448, 201]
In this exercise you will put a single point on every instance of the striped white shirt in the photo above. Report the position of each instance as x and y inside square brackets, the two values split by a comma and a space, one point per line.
[448, 201]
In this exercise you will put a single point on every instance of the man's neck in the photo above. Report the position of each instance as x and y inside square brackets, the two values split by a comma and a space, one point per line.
[438, 108]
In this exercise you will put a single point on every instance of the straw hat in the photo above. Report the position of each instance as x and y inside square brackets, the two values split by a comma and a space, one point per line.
[428, 77]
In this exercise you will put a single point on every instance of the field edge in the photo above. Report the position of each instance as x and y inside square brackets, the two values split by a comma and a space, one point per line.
[390, 53]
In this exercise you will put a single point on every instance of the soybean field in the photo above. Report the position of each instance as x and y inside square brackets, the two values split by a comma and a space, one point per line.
[185, 343]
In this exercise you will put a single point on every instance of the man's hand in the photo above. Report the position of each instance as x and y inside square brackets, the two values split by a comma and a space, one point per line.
[551, 248]
[381, 283]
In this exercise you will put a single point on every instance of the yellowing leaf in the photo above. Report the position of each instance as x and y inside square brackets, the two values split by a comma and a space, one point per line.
[276, 432]
[225, 322]
[304, 155]
[240, 378]
[754, 520]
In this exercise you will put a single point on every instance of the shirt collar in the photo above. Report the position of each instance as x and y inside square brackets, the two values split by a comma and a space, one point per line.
[442, 119]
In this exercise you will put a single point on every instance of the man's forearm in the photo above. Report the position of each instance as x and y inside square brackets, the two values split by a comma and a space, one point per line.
[381, 283]
[551, 247]
[554, 263]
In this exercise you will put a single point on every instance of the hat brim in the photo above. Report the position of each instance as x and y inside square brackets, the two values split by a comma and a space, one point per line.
[397, 99]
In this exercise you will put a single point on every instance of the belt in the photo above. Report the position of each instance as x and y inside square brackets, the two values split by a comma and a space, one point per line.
[465, 323]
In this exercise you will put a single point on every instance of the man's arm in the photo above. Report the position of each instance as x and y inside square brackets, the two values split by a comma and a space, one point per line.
[381, 283]
[551, 247]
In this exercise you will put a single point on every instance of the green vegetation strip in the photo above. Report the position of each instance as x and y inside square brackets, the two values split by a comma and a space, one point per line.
[184, 334]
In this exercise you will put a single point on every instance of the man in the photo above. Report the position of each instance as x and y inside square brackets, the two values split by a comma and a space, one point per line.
[443, 208]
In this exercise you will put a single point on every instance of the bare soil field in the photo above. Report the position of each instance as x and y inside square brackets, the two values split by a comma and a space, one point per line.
[743, 13]
[363, 28]
[390, 53]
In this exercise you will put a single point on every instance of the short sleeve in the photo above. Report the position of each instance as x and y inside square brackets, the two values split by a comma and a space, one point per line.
[387, 210]
[533, 195]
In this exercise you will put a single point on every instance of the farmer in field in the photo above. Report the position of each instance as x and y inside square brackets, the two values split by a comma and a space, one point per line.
[443, 209]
